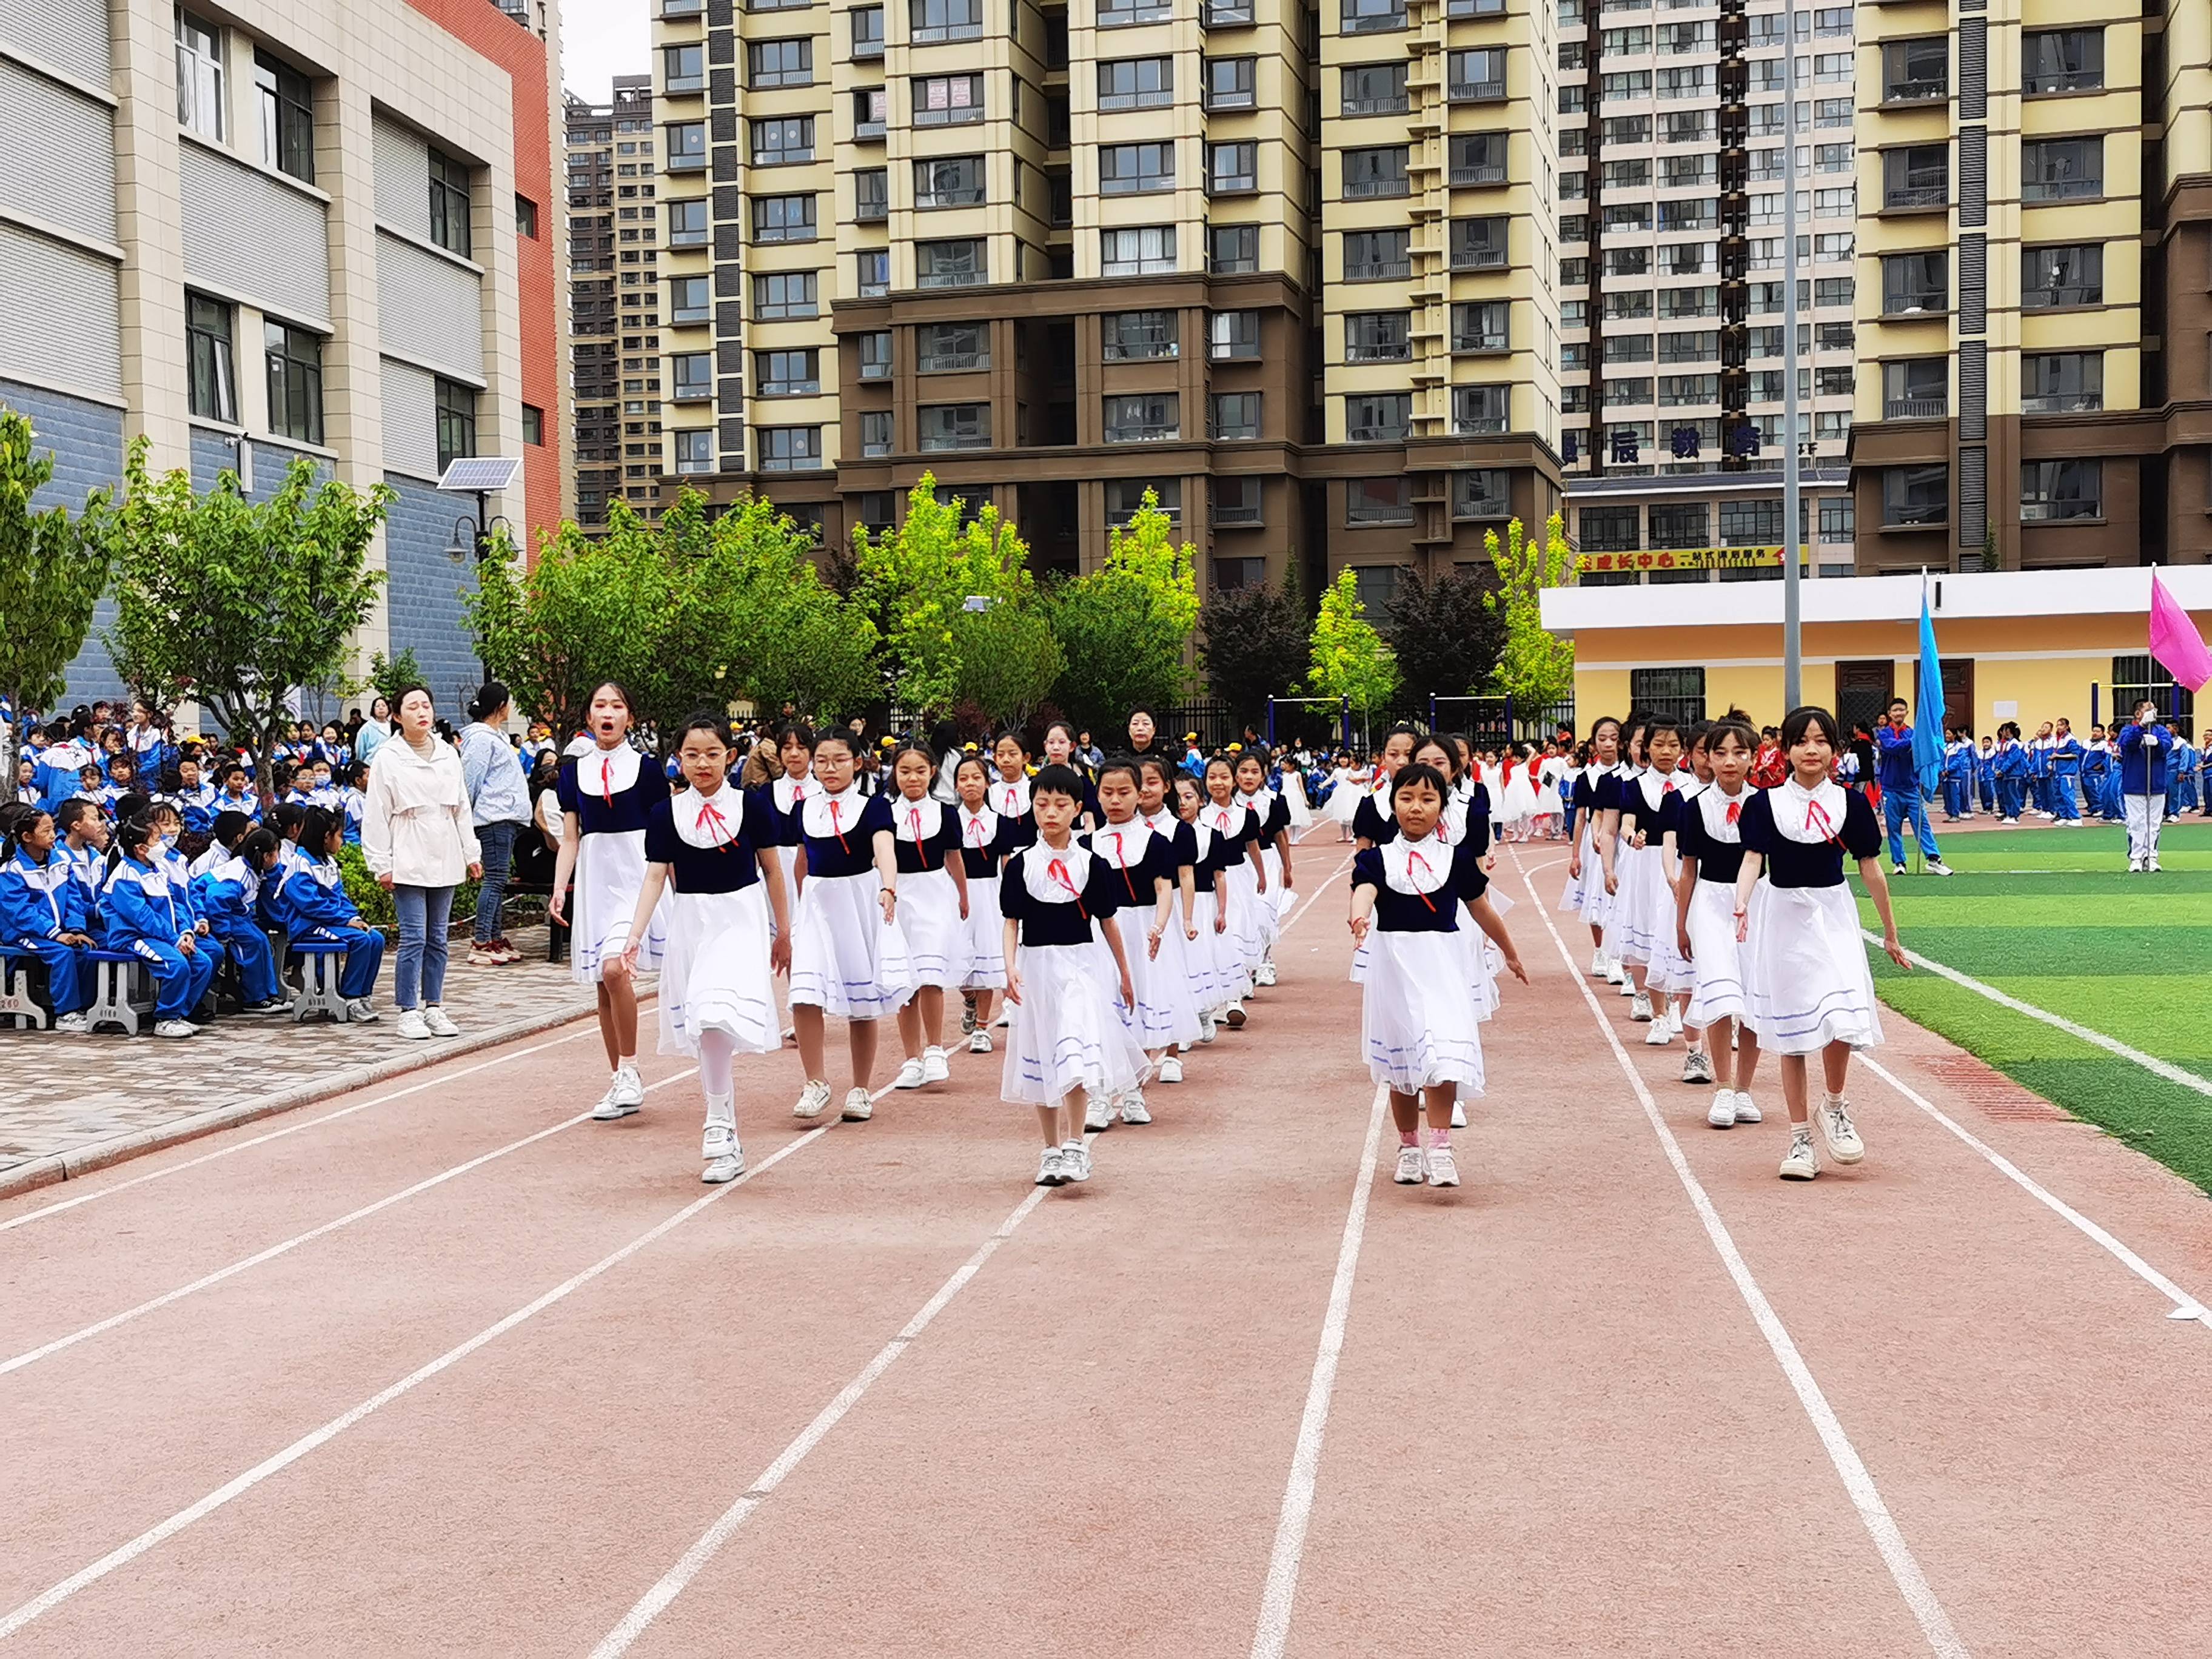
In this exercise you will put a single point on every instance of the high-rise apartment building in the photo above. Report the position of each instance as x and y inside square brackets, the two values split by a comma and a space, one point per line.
[1671, 290]
[1233, 250]
[615, 297]
[2035, 252]
[322, 228]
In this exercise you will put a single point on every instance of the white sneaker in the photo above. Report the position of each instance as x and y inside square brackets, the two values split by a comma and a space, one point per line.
[1841, 1135]
[1233, 1017]
[1098, 1113]
[1133, 1107]
[1627, 987]
[1721, 1114]
[1659, 1035]
[435, 1018]
[725, 1160]
[1697, 1067]
[1206, 1028]
[1937, 868]
[624, 1095]
[1746, 1110]
[1898, 870]
[1004, 1019]
[73, 1025]
[1444, 1171]
[1674, 1017]
[911, 1075]
[176, 1028]
[1413, 1167]
[859, 1106]
[1051, 1171]
[2134, 866]
[362, 1010]
[1075, 1161]
[979, 1042]
[1801, 1162]
[813, 1101]
[934, 1066]
[1459, 1115]
[412, 1026]
[1615, 973]
[1639, 1009]
[2150, 869]
[1597, 965]
[1266, 974]
[1170, 1069]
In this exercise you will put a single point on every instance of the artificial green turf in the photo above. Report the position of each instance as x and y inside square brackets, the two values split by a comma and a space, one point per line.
[2054, 919]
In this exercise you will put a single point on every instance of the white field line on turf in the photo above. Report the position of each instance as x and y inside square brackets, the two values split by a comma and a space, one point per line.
[2150, 1063]
[208, 1280]
[2185, 1306]
[1866, 1498]
[1280, 1598]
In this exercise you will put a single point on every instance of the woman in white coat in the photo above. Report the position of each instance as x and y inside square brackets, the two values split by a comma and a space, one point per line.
[419, 836]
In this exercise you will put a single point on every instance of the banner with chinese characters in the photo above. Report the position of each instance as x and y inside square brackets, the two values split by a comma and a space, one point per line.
[1683, 558]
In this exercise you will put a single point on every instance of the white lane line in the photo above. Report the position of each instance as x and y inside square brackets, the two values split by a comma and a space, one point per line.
[208, 1280]
[1866, 1498]
[1322, 887]
[2150, 1063]
[168, 1169]
[1278, 1599]
[2185, 1306]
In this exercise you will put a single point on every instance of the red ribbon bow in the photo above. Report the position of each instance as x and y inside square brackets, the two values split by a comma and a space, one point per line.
[1121, 862]
[1735, 807]
[1058, 871]
[1413, 858]
[1668, 789]
[1816, 817]
[913, 823]
[834, 829]
[710, 814]
[606, 789]
[975, 829]
[1012, 809]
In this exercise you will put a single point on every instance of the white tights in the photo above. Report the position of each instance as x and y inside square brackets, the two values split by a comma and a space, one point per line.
[715, 1078]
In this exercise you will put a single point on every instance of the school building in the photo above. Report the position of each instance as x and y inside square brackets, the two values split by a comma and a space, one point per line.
[2016, 645]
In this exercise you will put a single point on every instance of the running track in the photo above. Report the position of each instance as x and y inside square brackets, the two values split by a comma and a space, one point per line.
[1622, 1393]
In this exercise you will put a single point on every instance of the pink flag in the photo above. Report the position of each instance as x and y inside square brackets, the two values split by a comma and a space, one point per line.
[2175, 641]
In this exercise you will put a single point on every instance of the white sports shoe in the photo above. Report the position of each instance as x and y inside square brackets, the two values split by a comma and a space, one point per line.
[435, 1018]
[934, 1066]
[624, 1095]
[1266, 974]
[1170, 1069]
[176, 1028]
[1721, 1114]
[1801, 1162]
[911, 1075]
[1051, 1171]
[1627, 986]
[1674, 1017]
[412, 1026]
[1597, 963]
[725, 1160]
[1206, 1028]
[1075, 1161]
[73, 1025]
[1615, 973]
[1698, 1066]
[1413, 1167]
[1459, 1115]
[1659, 1035]
[1937, 868]
[1133, 1107]
[1841, 1135]
[1233, 1017]
[859, 1106]
[1639, 1009]
[1746, 1110]
[1444, 1171]
[813, 1101]
[1098, 1112]
[979, 1042]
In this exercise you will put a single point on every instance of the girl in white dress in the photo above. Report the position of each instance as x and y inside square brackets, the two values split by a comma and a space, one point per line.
[1176, 959]
[1272, 813]
[716, 850]
[794, 752]
[1242, 872]
[1346, 784]
[1711, 840]
[1291, 785]
[1218, 980]
[1551, 805]
[1163, 1016]
[1807, 986]
[985, 840]
[1518, 809]
[933, 911]
[1637, 877]
[605, 792]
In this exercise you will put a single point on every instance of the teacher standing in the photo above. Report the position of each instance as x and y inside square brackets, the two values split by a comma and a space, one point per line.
[419, 836]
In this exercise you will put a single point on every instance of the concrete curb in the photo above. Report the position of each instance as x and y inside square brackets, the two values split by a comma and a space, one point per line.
[116, 1149]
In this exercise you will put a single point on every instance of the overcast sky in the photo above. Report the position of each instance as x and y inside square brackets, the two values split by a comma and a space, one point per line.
[600, 40]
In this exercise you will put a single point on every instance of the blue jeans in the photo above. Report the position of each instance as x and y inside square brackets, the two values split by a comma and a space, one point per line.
[425, 914]
[497, 843]
[1897, 807]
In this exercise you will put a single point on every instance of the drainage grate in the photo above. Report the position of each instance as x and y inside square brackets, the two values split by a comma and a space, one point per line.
[1991, 1092]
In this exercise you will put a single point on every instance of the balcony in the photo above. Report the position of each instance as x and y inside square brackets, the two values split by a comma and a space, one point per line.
[1922, 89]
[2062, 403]
[1922, 190]
[1215, 102]
[872, 210]
[1386, 104]
[1389, 352]
[1378, 22]
[864, 49]
[1379, 270]
[1480, 172]
[937, 33]
[1225, 514]
[672, 9]
[1169, 433]
[1224, 13]
[1478, 258]
[1375, 435]
[1359, 190]
[1915, 408]
[687, 164]
[1477, 92]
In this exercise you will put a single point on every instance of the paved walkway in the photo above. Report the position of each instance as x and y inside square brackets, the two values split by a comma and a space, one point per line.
[73, 1103]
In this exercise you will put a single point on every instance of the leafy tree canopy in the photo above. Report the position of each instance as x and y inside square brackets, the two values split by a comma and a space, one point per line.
[1125, 628]
[1254, 638]
[1349, 658]
[915, 583]
[53, 568]
[1446, 637]
[1535, 667]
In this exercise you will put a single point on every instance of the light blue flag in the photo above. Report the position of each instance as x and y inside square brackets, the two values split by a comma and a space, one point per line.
[1928, 716]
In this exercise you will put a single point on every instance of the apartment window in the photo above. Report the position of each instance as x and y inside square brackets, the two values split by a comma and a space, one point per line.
[1912, 70]
[1135, 336]
[1131, 169]
[947, 100]
[457, 421]
[1232, 334]
[1136, 83]
[1120, 14]
[199, 75]
[694, 372]
[288, 120]
[1478, 409]
[1373, 89]
[1375, 586]
[1379, 171]
[1478, 244]
[1838, 523]
[1832, 291]
[784, 218]
[1143, 252]
[1915, 389]
[789, 448]
[1230, 82]
[683, 69]
[1680, 524]
[2061, 169]
[1223, 14]
[1480, 325]
[875, 432]
[940, 346]
[931, 20]
[1232, 169]
[2051, 490]
[1124, 496]
[687, 147]
[871, 273]
[1371, 256]
[1477, 77]
[1233, 415]
[1378, 336]
[1483, 494]
[1477, 158]
[686, 300]
[1915, 496]
[868, 31]
[946, 181]
[779, 63]
[779, 296]
[1912, 283]
[1750, 523]
[695, 451]
[295, 384]
[209, 361]
[1610, 530]
[872, 195]
[2061, 60]
[953, 425]
[687, 223]
[2069, 275]
[2061, 382]
[782, 140]
[876, 356]
[1372, 16]
[961, 263]
[1377, 417]
[449, 204]
[1142, 417]
[1917, 177]
[1232, 248]
[1833, 337]
[1233, 501]
[1378, 500]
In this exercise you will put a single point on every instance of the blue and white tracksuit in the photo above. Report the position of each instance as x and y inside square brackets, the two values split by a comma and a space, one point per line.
[146, 917]
[313, 905]
[224, 896]
[39, 903]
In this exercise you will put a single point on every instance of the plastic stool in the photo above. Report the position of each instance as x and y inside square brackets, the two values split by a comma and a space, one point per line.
[17, 1005]
[322, 963]
[123, 991]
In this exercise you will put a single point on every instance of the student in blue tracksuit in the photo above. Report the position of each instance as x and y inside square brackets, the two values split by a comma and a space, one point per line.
[225, 897]
[1958, 776]
[235, 796]
[2146, 757]
[83, 848]
[1900, 792]
[146, 917]
[2096, 772]
[313, 905]
[2066, 756]
[193, 799]
[61, 765]
[285, 823]
[42, 910]
[352, 802]
[2181, 777]
[167, 824]
[2011, 770]
[1985, 774]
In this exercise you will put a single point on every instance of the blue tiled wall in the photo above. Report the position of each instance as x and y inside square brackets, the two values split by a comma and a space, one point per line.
[87, 441]
[424, 596]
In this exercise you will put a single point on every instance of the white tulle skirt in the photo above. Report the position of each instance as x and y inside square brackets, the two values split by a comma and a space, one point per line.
[1166, 1014]
[714, 975]
[610, 873]
[1716, 993]
[1631, 934]
[1213, 965]
[845, 958]
[1293, 789]
[938, 941]
[1417, 1019]
[1247, 912]
[1585, 895]
[1806, 980]
[1067, 1033]
[987, 936]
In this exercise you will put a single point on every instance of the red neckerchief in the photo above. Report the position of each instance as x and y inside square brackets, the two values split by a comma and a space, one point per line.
[606, 794]
[914, 821]
[1735, 807]
[1413, 858]
[1057, 870]
[710, 813]
[1816, 817]
[834, 830]
[1668, 789]
[976, 827]
[1011, 810]
[1120, 863]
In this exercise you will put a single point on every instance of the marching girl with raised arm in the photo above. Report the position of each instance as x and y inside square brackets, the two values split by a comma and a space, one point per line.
[1595, 787]
[985, 840]
[1175, 961]
[715, 852]
[1163, 1016]
[933, 913]
[1272, 813]
[1218, 980]
[1710, 841]
[1807, 986]
[1418, 1029]
[1241, 875]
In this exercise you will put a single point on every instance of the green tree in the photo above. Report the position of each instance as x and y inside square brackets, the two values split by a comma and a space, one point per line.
[387, 677]
[241, 603]
[1125, 628]
[782, 634]
[1535, 668]
[1254, 639]
[1349, 659]
[915, 583]
[1446, 637]
[53, 569]
[1008, 660]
